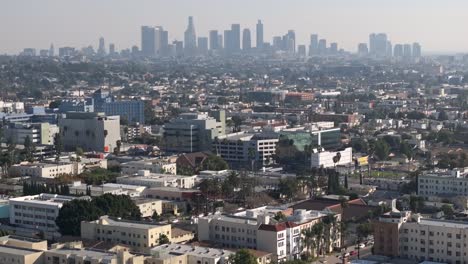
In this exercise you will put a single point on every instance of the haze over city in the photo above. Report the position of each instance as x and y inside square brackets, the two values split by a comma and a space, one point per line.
[37, 24]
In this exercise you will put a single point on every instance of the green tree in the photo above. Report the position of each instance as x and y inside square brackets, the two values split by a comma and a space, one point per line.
[242, 256]
[288, 187]
[215, 163]
[58, 146]
[155, 217]
[29, 149]
[416, 203]
[382, 149]
[448, 211]
[280, 217]
[73, 213]
[163, 239]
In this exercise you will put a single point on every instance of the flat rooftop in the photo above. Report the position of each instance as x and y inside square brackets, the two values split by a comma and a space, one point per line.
[129, 224]
[44, 198]
[17, 250]
[165, 251]
[444, 223]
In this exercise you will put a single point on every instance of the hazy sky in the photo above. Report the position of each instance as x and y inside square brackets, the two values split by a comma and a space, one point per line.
[439, 25]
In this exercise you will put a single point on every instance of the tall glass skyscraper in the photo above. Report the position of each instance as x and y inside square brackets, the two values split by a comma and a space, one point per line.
[190, 38]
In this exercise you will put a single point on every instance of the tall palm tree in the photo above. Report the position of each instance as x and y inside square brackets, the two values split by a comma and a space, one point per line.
[308, 239]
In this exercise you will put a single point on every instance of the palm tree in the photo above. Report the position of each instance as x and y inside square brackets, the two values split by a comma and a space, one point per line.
[308, 239]
[251, 155]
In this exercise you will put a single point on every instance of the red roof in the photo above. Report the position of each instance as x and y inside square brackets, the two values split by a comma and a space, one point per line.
[278, 227]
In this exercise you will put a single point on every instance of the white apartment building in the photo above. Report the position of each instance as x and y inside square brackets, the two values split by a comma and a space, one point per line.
[244, 147]
[322, 158]
[149, 206]
[421, 239]
[90, 131]
[255, 229]
[79, 188]
[166, 166]
[145, 178]
[444, 183]
[38, 212]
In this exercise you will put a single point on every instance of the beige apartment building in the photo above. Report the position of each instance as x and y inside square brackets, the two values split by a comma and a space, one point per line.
[139, 236]
[20, 250]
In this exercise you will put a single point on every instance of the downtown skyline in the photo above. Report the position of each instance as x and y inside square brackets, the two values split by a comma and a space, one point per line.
[347, 26]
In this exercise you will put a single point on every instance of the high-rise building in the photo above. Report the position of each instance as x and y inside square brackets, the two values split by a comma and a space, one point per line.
[301, 50]
[407, 54]
[235, 37]
[333, 48]
[277, 43]
[179, 47]
[291, 41]
[220, 41]
[246, 40]
[148, 41]
[164, 43]
[227, 41]
[111, 49]
[260, 40]
[389, 49]
[416, 50]
[190, 38]
[102, 47]
[51, 50]
[362, 49]
[322, 47]
[378, 44]
[313, 47]
[203, 45]
[398, 51]
[214, 44]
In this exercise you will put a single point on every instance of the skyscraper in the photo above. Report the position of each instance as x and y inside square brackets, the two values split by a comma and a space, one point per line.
[227, 41]
[291, 41]
[164, 43]
[102, 47]
[416, 50]
[398, 50]
[333, 48]
[51, 50]
[407, 51]
[214, 40]
[372, 43]
[362, 49]
[389, 52]
[235, 37]
[246, 40]
[378, 44]
[190, 38]
[202, 45]
[111, 49]
[313, 47]
[301, 50]
[260, 40]
[148, 41]
[322, 47]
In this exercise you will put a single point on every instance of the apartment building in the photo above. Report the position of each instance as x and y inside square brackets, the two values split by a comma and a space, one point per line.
[139, 236]
[243, 147]
[38, 133]
[79, 188]
[42, 170]
[149, 206]
[90, 131]
[422, 239]
[38, 212]
[192, 132]
[21, 250]
[444, 183]
[255, 229]
[166, 166]
[145, 178]
[91, 256]
[178, 253]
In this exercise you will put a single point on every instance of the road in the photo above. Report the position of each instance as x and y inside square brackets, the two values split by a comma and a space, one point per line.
[334, 258]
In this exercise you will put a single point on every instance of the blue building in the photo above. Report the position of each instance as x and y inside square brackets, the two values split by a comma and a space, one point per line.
[131, 110]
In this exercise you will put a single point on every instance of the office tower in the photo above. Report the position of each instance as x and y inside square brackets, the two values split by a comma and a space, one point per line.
[322, 47]
[259, 35]
[381, 44]
[372, 43]
[291, 41]
[51, 50]
[389, 52]
[301, 50]
[277, 43]
[148, 41]
[179, 47]
[407, 51]
[398, 51]
[227, 41]
[190, 38]
[164, 43]
[235, 37]
[214, 40]
[135, 50]
[313, 47]
[362, 49]
[416, 50]
[111, 49]
[220, 41]
[202, 45]
[102, 47]
[246, 41]
[334, 48]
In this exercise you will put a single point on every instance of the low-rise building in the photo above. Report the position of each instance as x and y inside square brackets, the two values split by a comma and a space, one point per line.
[322, 158]
[42, 170]
[81, 255]
[166, 166]
[139, 236]
[38, 212]
[444, 183]
[149, 206]
[21, 250]
[78, 188]
[145, 178]
[178, 253]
